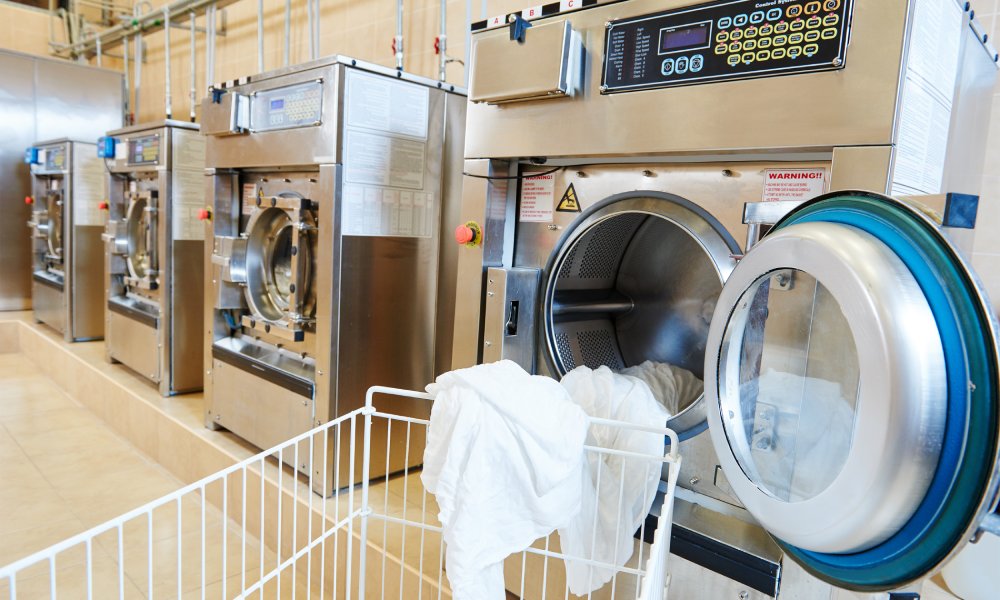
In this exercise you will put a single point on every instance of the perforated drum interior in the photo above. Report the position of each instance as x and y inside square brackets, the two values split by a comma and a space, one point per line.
[636, 279]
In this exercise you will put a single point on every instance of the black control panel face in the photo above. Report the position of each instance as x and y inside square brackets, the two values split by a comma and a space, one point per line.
[733, 39]
[144, 150]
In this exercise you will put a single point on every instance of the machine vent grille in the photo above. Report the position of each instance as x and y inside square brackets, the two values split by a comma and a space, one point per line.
[597, 348]
[565, 352]
[605, 246]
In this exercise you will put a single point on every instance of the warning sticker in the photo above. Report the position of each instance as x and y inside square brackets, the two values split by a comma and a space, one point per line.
[536, 199]
[781, 185]
[569, 202]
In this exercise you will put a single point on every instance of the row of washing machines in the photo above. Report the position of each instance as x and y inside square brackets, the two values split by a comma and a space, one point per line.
[642, 181]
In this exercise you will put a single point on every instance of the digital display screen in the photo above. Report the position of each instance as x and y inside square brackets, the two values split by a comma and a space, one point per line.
[683, 38]
[278, 104]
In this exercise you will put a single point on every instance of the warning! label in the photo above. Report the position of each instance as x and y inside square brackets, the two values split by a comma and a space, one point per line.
[536, 199]
[781, 185]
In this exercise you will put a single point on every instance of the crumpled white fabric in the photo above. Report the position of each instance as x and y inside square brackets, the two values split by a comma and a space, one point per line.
[504, 459]
[617, 492]
[672, 386]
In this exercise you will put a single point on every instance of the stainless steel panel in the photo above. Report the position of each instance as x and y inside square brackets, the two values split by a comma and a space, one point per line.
[510, 328]
[970, 117]
[861, 168]
[76, 101]
[49, 306]
[451, 216]
[286, 147]
[263, 413]
[86, 286]
[187, 297]
[855, 106]
[17, 94]
[508, 71]
[134, 344]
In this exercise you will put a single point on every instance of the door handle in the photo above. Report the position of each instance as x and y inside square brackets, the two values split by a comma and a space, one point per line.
[510, 327]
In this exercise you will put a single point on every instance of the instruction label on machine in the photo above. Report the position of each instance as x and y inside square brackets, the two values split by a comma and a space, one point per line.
[89, 187]
[386, 192]
[537, 199]
[799, 185]
[188, 192]
[928, 95]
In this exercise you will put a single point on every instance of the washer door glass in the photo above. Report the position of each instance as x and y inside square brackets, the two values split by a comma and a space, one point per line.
[793, 407]
[54, 206]
[850, 379]
[141, 235]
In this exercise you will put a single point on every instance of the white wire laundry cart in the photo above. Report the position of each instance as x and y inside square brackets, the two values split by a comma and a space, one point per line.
[257, 530]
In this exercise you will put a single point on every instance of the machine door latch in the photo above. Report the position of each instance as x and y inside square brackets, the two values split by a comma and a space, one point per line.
[510, 328]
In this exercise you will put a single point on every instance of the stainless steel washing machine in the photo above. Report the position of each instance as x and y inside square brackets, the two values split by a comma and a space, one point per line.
[67, 187]
[650, 181]
[328, 184]
[154, 252]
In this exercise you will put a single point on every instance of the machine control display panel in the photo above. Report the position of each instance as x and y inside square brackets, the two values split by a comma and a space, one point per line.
[144, 150]
[732, 39]
[55, 158]
[299, 105]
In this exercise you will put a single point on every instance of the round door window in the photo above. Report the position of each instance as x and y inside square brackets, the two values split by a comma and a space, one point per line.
[278, 269]
[790, 420]
[141, 245]
[55, 230]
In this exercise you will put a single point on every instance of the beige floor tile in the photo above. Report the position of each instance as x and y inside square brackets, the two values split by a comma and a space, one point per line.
[20, 543]
[29, 424]
[106, 581]
[8, 446]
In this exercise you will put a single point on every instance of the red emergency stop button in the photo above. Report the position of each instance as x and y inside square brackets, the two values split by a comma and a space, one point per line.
[29, 200]
[204, 214]
[469, 234]
[464, 234]
[102, 205]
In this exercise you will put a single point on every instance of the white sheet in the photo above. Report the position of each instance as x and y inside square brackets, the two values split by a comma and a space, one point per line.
[617, 492]
[504, 459]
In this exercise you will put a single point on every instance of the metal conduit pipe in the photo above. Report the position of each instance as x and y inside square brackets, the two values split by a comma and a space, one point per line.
[168, 99]
[443, 43]
[128, 84]
[317, 23]
[148, 22]
[309, 23]
[210, 47]
[99, 53]
[194, 63]
[399, 35]
[260, 36]
[288, 30]
[138, 73]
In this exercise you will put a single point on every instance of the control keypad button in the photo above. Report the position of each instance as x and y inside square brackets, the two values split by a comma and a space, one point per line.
[812, 8]
[793, 11]
[667, 67]
[829, 34]
[697, 62]
[682, 65]
[810, 49]
[725, 22]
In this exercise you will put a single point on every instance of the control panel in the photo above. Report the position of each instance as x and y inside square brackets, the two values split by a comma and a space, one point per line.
[299, 105]
[144, 150]
[54, 158]
[733, 39]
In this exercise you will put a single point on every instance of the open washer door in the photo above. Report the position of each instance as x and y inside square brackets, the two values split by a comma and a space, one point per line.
[851, 381]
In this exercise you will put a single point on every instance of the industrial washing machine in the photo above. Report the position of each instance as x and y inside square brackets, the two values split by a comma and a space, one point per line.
[329, 181]
[67, 187]
[641, 185]
[154, 252]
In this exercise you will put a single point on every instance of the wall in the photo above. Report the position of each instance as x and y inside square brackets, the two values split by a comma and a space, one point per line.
[986, 258]
[24, 29]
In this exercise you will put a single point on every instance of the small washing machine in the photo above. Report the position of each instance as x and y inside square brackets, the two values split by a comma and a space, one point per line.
[67, 187]
[154, 252]
[329, 181]
[657, 181]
